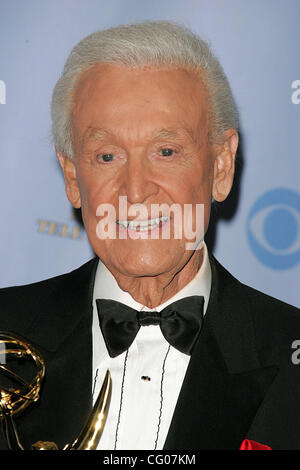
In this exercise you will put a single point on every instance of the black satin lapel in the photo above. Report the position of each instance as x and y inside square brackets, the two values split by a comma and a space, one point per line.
[230, 316]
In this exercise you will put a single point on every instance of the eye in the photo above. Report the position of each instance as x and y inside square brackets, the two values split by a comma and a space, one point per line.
[167, 152]
[105, 157]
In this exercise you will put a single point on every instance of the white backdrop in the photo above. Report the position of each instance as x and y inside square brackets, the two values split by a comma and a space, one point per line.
[255, 234]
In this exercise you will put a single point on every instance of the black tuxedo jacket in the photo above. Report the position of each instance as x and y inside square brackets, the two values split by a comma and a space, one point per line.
[241, 381]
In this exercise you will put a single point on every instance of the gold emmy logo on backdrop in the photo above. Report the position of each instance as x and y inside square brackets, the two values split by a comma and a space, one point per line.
[19, 392]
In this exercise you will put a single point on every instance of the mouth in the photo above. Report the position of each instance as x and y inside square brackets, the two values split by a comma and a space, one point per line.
[140, 226]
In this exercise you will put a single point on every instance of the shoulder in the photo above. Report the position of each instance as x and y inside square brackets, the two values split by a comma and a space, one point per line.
[273, 310]
[269, 311]
[261, 304]
[19, 304]
[47, 286]
[276, 324]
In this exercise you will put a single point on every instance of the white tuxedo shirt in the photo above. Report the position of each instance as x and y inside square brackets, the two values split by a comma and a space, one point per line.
[146, 380]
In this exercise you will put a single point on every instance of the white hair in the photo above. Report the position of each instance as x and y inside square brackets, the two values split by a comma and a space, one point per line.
[151, 43]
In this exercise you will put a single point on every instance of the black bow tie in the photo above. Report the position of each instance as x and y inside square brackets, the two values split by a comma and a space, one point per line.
[180, 323]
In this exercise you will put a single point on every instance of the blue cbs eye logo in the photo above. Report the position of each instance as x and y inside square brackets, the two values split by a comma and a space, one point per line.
[273, 228]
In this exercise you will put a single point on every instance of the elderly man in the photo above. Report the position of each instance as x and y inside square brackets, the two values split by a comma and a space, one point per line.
[143, 118]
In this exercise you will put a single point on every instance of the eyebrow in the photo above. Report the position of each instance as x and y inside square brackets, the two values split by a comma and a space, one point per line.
[95, 134]
[174, 133]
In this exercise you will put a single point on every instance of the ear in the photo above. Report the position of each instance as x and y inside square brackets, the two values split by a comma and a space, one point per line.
[71, 183]
[224, 165]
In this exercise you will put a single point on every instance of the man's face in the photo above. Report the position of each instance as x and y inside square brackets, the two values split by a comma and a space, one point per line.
[142, 134]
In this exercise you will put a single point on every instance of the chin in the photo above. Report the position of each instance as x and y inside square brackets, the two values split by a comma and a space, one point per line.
[143, 271]
[154, 266]
[141, 259]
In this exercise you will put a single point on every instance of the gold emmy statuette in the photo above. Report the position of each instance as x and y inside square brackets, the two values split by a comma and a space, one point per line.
[18, 393]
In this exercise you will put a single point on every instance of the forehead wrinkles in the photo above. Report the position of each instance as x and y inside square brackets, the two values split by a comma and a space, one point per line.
[98, 135]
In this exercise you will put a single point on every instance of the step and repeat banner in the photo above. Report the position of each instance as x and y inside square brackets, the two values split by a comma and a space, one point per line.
[255, 233]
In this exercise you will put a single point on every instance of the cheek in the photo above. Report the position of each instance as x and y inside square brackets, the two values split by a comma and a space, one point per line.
[91, 196]
[97, 205]
[198, 191]
[92, 191]
[195, 188]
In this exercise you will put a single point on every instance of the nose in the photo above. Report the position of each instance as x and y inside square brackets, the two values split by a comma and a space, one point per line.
[137, 182]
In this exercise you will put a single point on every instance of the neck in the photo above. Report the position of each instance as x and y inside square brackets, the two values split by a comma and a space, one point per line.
[152, 291]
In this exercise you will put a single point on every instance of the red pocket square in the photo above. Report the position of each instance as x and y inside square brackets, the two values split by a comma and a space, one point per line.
[247, 444]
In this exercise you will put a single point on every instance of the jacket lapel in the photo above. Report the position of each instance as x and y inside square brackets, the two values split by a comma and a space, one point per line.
[225, 383]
